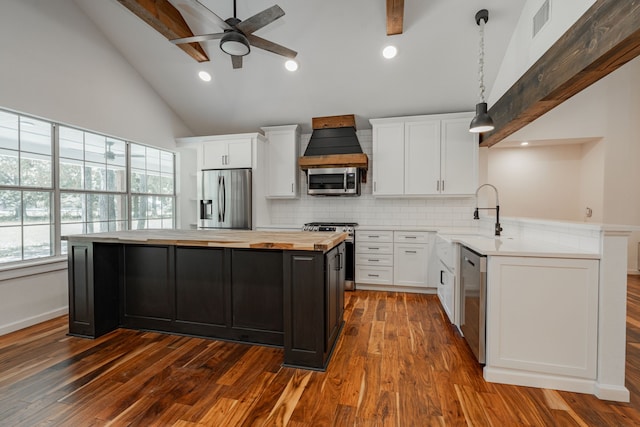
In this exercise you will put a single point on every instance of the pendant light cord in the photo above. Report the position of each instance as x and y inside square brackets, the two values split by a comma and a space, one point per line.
[481, 61]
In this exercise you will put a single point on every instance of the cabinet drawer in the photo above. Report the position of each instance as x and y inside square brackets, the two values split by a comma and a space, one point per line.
[374, 259]
[411, 236]
[374, 236]
[377, 275]
[374, 248]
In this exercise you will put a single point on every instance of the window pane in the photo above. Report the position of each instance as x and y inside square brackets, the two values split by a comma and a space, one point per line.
[154, 223]
[116, 178]
[72, 228]
[37, 241]
[166, 184]
[71, 207]
[153, 159]
[71, 174]
[94, 148]
[10, 208]
[166, 162]
[97, 227]
[139, 224]
[8, 130]
[138, 181]
[94, 176]
[8, 167]
[37, 207]
[35, 136]
[98, 207]
[116, 154]
[117, 208]
[71, 143]
[11, 244]
[167, 207]
[154, 185]
[138, 155]
[35, 170]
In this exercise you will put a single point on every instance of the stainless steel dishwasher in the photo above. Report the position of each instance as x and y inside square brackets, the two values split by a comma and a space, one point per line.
[473, 300]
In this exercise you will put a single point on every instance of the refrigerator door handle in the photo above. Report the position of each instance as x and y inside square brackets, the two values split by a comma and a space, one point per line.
[219, 203]
[224, 199]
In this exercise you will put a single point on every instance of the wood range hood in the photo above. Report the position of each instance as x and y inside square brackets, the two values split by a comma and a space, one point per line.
[334, 144]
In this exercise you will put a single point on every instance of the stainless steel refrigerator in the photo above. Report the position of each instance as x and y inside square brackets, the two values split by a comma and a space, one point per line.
[226, 199]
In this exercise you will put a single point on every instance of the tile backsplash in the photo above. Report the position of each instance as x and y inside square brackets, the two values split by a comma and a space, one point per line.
[455, 212]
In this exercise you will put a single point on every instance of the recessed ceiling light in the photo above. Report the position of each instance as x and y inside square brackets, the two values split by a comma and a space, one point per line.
[524, 143]
[389, 52]
[291, 65]
[204, 76]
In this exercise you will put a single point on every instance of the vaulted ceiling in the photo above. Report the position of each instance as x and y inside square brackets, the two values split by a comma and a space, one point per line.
[342, 71]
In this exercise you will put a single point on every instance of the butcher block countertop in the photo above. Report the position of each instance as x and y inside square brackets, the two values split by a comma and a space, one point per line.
[277, 240]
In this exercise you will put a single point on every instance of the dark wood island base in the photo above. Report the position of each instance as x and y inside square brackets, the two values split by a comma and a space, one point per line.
[282, 297]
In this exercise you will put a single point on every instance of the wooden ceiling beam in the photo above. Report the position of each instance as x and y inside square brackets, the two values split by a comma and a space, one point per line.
[168, 21]
[395, 17]
[606, 37]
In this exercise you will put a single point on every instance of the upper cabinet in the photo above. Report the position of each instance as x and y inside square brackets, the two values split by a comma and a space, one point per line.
[424, 156]
[227, 154]
[225, 151]
[281, 161]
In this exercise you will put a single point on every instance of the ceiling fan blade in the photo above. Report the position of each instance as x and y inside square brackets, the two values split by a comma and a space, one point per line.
[197, 10]
[236, 61]
[270, 46]
[194, 39]
[260, 19]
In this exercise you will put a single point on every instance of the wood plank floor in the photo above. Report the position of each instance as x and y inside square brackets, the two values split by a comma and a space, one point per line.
[398, 363]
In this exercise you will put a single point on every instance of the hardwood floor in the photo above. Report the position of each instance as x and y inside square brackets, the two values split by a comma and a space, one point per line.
[398, 363]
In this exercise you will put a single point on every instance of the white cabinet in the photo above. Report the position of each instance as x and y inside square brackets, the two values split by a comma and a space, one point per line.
[281, 161]
[388, 158]
[542, 318]
[410, 258]
[227, 154]
[424, 156]
[374, 257]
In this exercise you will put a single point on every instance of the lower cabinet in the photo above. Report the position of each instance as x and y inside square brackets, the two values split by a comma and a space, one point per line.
[94, 274]
[374, 257]
[285, 298]
[411, 254]
[314, 305]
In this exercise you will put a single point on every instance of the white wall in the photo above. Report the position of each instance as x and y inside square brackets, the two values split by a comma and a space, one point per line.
[607, 110]
[524, 50]
[57, 65]
[537, 182]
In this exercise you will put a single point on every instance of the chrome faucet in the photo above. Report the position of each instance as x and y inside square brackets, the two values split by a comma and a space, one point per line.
[498, 229]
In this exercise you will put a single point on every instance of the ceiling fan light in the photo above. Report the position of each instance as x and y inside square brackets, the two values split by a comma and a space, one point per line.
[482, 122]
[291, 65]
[204, 76]
[389, 52]
[234, 43]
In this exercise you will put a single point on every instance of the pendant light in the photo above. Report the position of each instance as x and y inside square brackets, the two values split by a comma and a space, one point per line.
[482, 122]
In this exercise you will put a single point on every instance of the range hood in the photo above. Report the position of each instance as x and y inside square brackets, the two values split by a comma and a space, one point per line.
[334, 143]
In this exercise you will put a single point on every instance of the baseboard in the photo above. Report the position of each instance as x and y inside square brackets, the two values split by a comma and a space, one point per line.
[33, 320]
[633, 272]
[394, 288]
[612, 392]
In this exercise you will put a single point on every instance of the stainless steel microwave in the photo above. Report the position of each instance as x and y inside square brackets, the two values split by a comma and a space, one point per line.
[333, 182]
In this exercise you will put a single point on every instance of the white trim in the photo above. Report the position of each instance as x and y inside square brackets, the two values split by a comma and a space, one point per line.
[611, 392]
[33, 320]
[395, 288]
[31, 268]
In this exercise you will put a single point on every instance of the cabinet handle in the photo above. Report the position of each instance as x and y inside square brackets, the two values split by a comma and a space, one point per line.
[374, 186]
[438, 185]
[409, 252]
[441, 279]
[443, 185]
[292, 187]
[375, 249]
[373, 260]
[410, 237]
[373, 237]
[373, 275]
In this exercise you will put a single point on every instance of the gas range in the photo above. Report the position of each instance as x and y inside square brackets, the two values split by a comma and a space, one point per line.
[350, 253]
[344, 227]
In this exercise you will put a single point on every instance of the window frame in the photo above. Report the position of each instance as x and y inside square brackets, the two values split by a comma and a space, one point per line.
[57, 248]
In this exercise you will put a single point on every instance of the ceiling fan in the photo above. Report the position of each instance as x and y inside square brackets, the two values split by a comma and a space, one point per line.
[238, 35]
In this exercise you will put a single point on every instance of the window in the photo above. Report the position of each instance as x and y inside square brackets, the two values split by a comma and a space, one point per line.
[152, 192]
[86, 175]
[26, 190]
[93, 183]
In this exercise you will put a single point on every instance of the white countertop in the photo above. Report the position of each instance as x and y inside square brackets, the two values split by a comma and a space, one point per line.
[508, 246]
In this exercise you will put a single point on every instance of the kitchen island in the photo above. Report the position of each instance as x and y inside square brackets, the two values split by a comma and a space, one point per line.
[271, 288]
